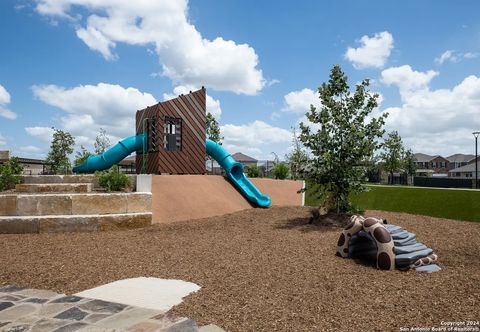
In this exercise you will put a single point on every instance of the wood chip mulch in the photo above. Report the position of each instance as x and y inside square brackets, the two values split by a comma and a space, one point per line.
[264, 270]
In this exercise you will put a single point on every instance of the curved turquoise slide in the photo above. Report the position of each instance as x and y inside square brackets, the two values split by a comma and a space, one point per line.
[125, 147]
[113, 155]
[235, 173]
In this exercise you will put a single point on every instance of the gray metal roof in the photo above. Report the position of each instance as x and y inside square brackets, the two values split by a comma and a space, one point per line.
[243, 157]
[422, 157]
[466, 168]
[460, 157]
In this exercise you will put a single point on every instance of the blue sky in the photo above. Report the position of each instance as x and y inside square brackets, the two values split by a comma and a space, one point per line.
[81, 65]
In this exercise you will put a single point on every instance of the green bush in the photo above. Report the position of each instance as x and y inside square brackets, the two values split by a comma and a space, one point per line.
[10, 174]
[113, 180]
[280, 171]
[253, 171]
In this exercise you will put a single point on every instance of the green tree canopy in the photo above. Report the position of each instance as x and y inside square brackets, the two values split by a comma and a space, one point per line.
[213, 129]
[348, 135]
[298, 158]
[81, 155]
[396, 157]
[392, 154]
[60, 148]
[280, 171]
[10, 174]
[409, 162]
[102, 142]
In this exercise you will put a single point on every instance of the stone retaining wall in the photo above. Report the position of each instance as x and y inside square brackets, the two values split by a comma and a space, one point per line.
[74, 204]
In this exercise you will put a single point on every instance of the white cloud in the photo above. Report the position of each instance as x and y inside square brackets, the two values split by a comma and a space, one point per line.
[300, 101]
[407, 79]
[91, 107]
[3, 140]
[471, 55]
[184, 55]
[454, 56]
[43, 133]
[257, 138]
[448, 55]
[213, 105]
[31, 149]
[373, 52]
[4, 101]
[436, 121]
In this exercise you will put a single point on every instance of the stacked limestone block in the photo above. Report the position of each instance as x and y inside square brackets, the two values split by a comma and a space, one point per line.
[407, 252]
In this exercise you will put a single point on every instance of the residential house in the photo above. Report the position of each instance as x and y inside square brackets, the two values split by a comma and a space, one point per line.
[128, 165]
[459, 159]
[30, 166]
[431, 165]
[244, 159]
[466, 171]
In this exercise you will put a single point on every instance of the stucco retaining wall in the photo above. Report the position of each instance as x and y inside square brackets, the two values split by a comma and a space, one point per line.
[184, 197]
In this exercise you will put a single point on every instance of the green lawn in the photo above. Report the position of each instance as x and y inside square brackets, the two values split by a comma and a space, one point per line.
[443, 203]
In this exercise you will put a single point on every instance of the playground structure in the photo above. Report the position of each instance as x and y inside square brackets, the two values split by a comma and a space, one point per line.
[389, 246]
[171, 139]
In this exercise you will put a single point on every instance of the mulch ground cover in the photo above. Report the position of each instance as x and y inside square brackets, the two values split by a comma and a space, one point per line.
[264, 270]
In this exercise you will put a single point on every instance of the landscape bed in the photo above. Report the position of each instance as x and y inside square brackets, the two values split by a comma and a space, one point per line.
[264, 270]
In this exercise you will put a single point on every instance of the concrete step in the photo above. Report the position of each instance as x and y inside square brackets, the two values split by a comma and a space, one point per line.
[44, 179]
[74, 204]
[54, 187]
[73, 223]
[85, 178]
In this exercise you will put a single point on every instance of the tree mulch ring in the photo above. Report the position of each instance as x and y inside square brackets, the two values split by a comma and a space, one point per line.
[329, 219]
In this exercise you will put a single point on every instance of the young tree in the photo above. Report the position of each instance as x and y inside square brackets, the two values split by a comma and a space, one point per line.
[298, 158]
[10, 174]
[81, 156]
[280, 171]
[409, 162]
[348, 136]
[213, 132]
[213, 129]
[102, 142]
[393, 153]
[60, 148]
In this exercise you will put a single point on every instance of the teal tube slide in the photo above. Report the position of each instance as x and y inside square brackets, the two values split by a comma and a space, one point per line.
[113, 155]
[234, 171]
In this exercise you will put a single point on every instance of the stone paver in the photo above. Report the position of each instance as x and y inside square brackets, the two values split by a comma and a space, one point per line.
[47, 325]
[72, 314]
[17, 311]
[183, 325]
[100, 306]
[127, 318]
[35, 310]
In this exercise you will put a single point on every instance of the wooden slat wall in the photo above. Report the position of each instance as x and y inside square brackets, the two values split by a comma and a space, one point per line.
[191, 108]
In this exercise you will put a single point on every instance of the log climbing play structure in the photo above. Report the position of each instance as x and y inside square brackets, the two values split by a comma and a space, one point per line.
[389, 246]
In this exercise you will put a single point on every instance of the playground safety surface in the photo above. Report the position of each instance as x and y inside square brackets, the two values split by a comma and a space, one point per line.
[263, 269]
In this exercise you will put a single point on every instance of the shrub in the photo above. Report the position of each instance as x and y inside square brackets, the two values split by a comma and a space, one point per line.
[280, 171]
[113, 180]
[253, 171]
[10, 174]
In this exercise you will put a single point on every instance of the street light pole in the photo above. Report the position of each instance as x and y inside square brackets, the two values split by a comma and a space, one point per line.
[476, 133]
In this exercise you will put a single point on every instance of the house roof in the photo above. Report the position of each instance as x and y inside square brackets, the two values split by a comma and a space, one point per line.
[466, 168]
[243, 157]
[422, 157]
[460, 157]
[128, 161]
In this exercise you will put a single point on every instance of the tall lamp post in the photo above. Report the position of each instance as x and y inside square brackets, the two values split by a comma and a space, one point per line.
[476, 133]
